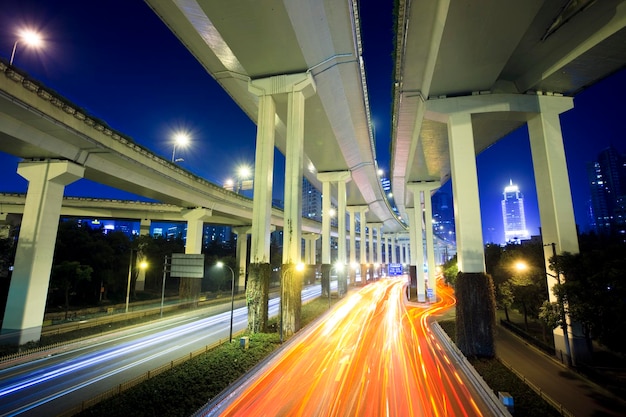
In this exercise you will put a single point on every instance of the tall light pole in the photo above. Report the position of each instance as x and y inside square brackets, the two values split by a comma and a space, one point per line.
[30, 38]
[180, 139]
[232, 297]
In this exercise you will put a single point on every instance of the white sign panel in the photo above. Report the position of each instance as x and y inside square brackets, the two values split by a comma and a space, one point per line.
[187, 265]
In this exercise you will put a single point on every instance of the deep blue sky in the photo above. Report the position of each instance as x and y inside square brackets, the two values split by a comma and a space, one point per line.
[118, 61]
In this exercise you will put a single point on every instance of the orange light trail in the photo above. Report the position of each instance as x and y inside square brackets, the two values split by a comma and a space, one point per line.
[374, 355]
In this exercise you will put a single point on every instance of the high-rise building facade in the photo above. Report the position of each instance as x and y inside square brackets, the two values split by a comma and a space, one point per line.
[311, 201]
[513, 214]
[443, 216]
[607, 184]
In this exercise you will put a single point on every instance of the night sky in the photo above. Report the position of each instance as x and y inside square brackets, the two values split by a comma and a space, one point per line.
[119, 62]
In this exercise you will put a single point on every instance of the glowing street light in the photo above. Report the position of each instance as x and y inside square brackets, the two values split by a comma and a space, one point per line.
[180, 139]
[244, 175]
[244, 172]
[521, 266]
[28, 37]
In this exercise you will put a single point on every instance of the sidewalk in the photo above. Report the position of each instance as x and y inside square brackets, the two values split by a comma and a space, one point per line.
[579, 396]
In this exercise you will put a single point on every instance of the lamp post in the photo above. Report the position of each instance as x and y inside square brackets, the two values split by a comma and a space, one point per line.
[29, 37]
[244, 172]
[180, 139]
[165, 265]
[568, 351]
[232, 297]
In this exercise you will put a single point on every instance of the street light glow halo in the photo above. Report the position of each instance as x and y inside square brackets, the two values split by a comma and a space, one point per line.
[181, 138]
[31, 37]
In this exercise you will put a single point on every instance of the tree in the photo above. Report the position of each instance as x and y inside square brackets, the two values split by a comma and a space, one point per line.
[550, 314]
[67, 276]
[450, 270]
[593, 290]
[527, 288]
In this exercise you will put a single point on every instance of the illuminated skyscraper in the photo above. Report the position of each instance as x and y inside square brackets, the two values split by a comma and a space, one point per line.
[607, 184]
[513, 214]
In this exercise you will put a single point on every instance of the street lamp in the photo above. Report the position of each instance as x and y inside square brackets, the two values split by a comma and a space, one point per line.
[232, 297]
[244, 173]
[30, 38]
[142, 265]
[180, 139]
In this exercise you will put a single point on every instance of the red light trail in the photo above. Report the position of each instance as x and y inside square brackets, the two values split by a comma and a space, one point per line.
[374, 355]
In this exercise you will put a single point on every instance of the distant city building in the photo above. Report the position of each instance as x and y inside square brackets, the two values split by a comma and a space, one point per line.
[513, 214]
[311, 201]
[607, 185]
[443, 216]
[386, 183]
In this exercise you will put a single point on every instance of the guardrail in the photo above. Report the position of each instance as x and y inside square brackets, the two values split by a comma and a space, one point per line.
[491, 401]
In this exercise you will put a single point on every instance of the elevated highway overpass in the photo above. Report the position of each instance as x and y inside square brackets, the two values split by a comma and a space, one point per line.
[466, 74]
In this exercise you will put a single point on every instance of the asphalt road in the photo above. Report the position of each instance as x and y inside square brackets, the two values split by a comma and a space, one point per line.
[373, 355]
[52, 384]
[578, 395]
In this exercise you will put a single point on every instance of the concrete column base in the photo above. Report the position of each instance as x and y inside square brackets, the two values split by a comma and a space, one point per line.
[326, 280]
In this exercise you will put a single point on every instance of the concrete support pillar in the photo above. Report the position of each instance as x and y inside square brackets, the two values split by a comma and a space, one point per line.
[394, 254]
[370, 255]
[342, 258]
[379, 243]
[413, 246]
[26, 302]
[363, 244]
[310, 257]
[377, 259]
[430, 243]
[309, 248]
[554, 197]
[469, 233]
[352, 227]
[328, 179]
[403, 249]
[263, 175]
[292, 230]
[242, 256]
[422, 194]
[387, 248]
[326, 218]
[195, 228]
[144, 227]
[257, 289]
[297, 88]
[416, 228]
